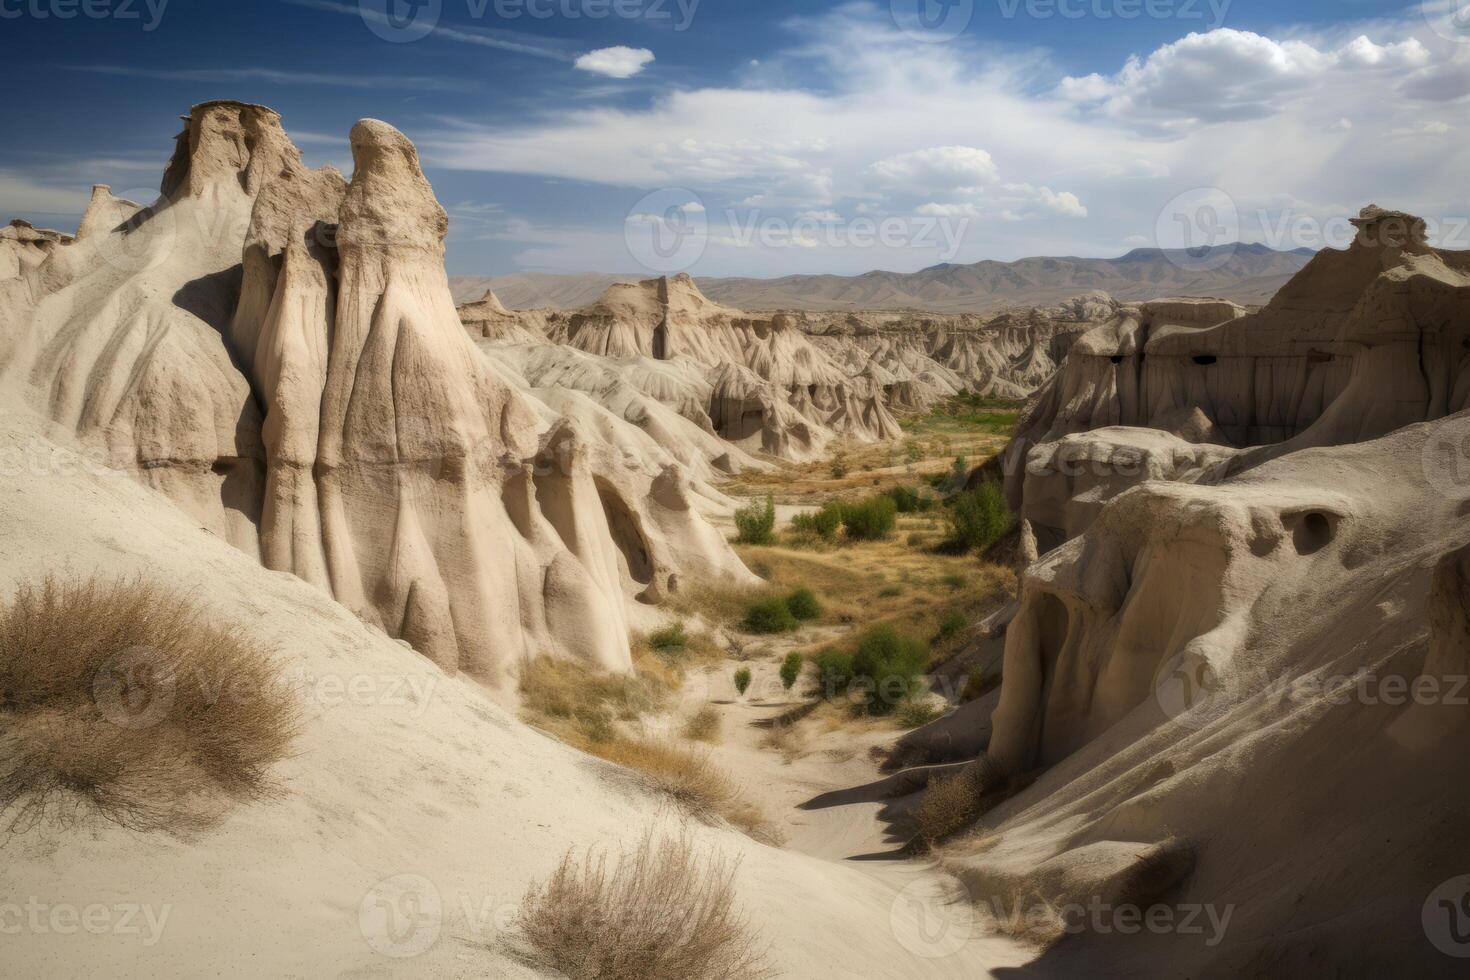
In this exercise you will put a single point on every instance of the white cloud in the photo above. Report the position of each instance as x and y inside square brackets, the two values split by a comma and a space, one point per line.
[938, 168]
[1050, 166]
[615, 62]
[1226, 75]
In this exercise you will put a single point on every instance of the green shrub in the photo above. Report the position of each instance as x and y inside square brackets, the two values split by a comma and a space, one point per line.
[821, 524]
[871, 519]
[670, 639]
[978, 518]
[839, 468]
[770, 615]
[890, 592]
[803, 604]
[952, 625]
[742, 680]
[834, 672]
[756, 524]
[791, 669]
[887, 668]
[955, 581]
[908, 500]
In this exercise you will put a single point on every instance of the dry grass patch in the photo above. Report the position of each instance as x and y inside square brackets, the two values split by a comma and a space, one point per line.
[704, 726]
[124, 701]
[663, 912]
[691, 780]
[582, 705]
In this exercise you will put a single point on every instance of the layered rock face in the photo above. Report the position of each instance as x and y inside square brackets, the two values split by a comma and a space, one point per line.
[1360, 342]
[785, 385]
[276, 350]
[1280, 626]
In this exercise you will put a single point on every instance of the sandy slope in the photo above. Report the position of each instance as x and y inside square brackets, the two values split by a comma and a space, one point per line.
[399, 770]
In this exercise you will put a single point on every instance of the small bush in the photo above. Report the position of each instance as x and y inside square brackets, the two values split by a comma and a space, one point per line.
[955, 581]
[128, 702]
[663, 912]
[769, 615]
[871, 519]
[742, 680]
[834, 673]
[914, 713]
[839, 468]
[952, 625]
[949, 806]
[908, 500]
[890, 592]
[979, 518]
[803, 604]
[791, 669]
[670, 639]
[704, 725]
[756, 524]
[887, 668]
[821, 524]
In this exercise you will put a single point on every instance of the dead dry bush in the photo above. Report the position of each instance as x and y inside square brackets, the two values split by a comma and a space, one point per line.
[123, 700]
[663, 912]
[949, 805]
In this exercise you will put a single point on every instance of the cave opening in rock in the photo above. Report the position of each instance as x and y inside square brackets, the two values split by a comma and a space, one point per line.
[622, 523]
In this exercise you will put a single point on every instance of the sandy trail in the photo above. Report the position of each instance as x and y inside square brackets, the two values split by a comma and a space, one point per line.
[928, 921]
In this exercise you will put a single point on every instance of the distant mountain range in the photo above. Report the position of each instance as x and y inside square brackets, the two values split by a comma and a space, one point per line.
[1247, 274]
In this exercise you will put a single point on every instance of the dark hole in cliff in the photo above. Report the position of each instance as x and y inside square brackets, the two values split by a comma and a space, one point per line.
[1313, 532]
[623, 525]
[1116, 358]
[1205, 360]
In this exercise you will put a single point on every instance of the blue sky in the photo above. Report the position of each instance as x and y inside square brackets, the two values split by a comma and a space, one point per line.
[795, 136]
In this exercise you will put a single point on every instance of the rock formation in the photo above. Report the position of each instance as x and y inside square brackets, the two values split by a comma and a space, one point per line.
[276, 350]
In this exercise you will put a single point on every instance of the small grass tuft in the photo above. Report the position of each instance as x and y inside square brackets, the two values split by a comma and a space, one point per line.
[663, 912]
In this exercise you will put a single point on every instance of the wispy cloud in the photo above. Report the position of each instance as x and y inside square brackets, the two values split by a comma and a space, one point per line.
[271, 76]
[503, 40]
